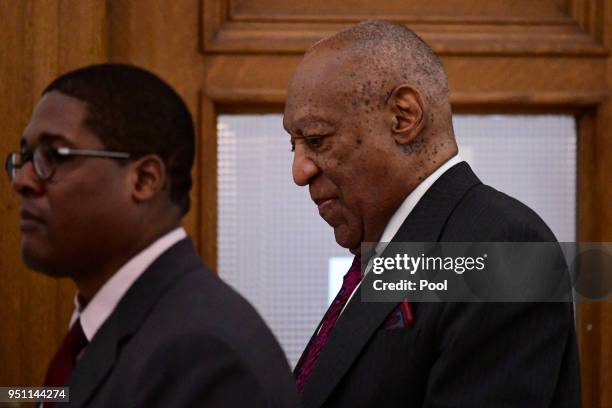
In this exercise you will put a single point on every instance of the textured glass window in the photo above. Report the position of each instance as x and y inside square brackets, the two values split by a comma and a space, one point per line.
[275, 249]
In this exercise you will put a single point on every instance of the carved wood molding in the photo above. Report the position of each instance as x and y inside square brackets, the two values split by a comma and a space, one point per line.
[249, 27]
[247, 80]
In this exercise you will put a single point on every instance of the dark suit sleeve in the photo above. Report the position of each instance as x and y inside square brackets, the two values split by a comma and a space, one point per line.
[505, 354]
[500, 355]
[197, 371]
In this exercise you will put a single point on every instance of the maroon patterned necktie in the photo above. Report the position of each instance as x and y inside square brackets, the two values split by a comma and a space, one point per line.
[351, 280]
[66, 356]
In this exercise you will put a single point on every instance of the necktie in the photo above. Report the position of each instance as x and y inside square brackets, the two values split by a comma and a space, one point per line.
[350, 282]
[65, 358]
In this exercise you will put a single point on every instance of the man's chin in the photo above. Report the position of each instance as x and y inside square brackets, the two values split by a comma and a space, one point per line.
[42, 264]
[348, 240]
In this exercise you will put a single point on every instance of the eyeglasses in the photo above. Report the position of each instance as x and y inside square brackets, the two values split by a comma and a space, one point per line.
[45, 159]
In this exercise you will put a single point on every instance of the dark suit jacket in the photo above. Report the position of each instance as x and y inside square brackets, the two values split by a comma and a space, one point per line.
[182, 338]
[454, 354]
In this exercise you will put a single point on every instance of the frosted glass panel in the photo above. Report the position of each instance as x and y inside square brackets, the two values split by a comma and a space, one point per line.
[272, 245]
[275, 249]
[531, 158]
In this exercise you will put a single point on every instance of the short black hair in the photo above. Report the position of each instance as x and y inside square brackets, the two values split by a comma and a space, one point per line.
[130, 109]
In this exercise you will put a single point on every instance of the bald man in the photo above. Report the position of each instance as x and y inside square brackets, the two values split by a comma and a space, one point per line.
[370, 121]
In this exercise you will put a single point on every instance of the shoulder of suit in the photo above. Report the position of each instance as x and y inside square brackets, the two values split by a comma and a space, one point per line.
[490, 215]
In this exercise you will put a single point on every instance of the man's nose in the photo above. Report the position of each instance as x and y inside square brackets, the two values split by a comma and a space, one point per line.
[303, 169]
[25, 181]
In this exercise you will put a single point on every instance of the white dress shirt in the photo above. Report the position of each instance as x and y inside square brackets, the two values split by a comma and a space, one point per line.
[106, 299]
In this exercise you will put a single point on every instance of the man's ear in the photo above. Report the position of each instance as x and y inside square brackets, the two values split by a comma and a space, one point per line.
[148, 177]
[408, 113]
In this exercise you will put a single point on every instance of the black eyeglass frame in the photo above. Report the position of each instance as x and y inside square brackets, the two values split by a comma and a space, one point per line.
[11, 165]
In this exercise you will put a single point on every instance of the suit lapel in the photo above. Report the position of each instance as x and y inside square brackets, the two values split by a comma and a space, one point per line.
[360, 320]
[298, 366]
[426, 221]
[101, 354]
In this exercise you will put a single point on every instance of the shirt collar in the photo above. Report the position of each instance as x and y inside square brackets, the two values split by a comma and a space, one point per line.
[404, 210]
[99, 308]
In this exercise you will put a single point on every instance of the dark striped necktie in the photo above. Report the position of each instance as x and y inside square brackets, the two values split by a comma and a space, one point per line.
[350, 282]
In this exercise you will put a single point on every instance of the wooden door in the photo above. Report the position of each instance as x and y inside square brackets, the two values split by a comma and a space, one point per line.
[506, 56]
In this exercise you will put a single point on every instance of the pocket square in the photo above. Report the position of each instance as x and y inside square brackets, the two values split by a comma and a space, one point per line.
[400, 318]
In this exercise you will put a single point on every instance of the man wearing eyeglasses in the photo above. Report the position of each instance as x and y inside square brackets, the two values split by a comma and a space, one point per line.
[104, 174]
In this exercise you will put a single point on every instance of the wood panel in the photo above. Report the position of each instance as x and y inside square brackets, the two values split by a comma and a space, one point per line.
[595, 224]
[432, 10]
[458, 27]
[208, 225]
[576, 83]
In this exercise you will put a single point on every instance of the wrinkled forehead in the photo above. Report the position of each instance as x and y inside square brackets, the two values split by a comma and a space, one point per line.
[326, 80]
[324, 71]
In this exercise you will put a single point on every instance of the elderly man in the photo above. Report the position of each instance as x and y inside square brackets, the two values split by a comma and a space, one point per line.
[104, 177]
[370, 122]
